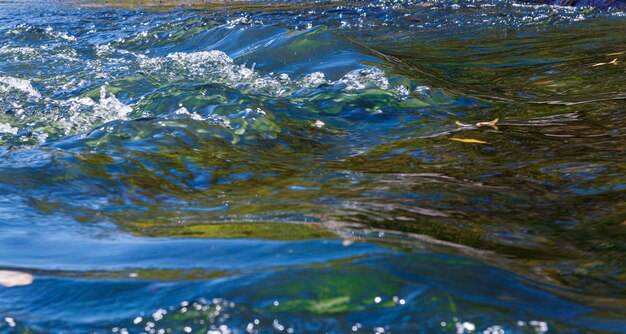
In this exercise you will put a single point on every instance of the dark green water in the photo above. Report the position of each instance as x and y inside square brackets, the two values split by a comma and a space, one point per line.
[313, 168]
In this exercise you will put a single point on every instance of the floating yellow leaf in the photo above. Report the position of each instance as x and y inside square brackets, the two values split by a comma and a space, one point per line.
[469, 140]
[463, 125]
[14, 278]
[479, 124]
[612, 62]
[488, 123]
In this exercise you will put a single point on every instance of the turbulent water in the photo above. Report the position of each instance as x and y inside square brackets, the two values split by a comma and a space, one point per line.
[373, 166]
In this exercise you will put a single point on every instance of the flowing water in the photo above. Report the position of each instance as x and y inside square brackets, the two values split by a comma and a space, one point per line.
[313, 168]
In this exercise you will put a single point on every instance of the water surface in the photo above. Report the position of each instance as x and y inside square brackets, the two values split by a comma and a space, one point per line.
[313, 168]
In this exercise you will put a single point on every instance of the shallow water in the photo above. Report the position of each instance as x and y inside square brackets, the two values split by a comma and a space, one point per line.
[313, 168]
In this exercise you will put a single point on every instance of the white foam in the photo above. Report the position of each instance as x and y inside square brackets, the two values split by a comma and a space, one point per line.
[7, 128]
[214, 63]
[242, 20]
[23, 85]
[194, 115]
[313, 79]
[110, 108]
[60, 34]
[201, 58]
[18, 50]
[217, 66]
[85, 113]
[363, 78]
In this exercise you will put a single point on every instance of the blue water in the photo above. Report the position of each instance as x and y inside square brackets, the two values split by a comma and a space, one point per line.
[313, 168]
